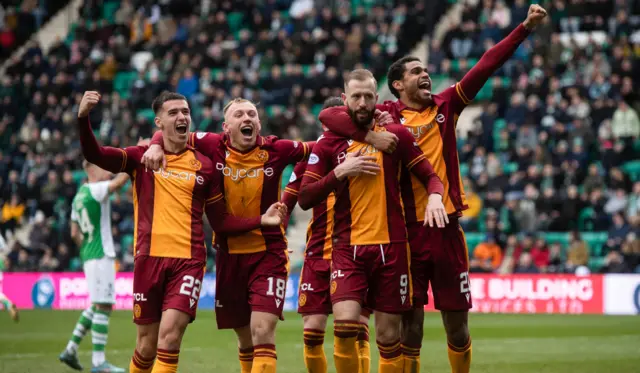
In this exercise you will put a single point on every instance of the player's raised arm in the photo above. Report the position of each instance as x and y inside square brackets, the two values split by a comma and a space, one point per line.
[495, 57]
[111, 159]
[337, 120]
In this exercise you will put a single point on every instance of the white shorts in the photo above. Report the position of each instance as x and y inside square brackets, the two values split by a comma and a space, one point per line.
[101, 278]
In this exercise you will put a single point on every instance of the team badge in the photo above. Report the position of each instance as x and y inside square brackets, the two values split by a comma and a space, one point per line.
[334, 286]
[201, 135]
[313, 159]
[195, 164]
[302, 300]
[263, 156]
[137, 311]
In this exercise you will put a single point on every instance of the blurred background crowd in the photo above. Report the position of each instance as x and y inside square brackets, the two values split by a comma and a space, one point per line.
[549, 152]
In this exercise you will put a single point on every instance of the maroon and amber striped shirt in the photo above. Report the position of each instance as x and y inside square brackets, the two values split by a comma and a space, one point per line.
[367, 207]
[320, 228]
[434, 129]
[251, 183]
[168, 204]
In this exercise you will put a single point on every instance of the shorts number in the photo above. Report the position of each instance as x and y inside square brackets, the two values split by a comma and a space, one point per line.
[190, 287]
[464, 282]
[280, 287]
[404, 283]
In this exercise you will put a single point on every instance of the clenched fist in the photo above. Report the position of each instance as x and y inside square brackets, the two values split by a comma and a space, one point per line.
[534, 17]
[89, 100]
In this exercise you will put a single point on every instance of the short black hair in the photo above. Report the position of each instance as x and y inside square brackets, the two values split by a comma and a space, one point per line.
[332, 101]
[164, 97]
[396, 72]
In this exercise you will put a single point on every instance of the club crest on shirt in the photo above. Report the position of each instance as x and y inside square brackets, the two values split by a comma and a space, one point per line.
[200, 135]
[302, 300]
[137, 311]
[334, 287]
[262, 156]
[195, 164]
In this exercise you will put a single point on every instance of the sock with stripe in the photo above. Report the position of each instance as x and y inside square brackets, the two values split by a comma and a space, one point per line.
[390, 358]
[460, 357]
[166, 361]
[411, 358]
[364, 349]
[82, 327]
[314, 357]
[345, 350]
[99, 333]
[6, 303]
[264, 359]
[140, 364]
[245, 355]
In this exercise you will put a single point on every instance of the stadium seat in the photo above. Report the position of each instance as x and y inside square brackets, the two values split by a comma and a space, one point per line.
[473, 240]
[557, 237]
[122, 82]
[234, 20]
[109, 9]
[148, 114]
[596, 241]
[126, 241]
[633, 169]
[510, 168]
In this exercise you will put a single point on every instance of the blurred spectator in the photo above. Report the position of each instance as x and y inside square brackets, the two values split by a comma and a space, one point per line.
[487, 256]
[578, 253]
[526, 265]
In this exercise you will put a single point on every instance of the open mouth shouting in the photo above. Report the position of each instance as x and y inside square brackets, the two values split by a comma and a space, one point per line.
[247, 130]
[181, 128]
[425, 86]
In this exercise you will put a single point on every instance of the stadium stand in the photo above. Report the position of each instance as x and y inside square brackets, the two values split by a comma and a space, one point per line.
[551, 165]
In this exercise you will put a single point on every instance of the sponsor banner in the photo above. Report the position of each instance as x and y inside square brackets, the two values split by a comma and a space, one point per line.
[622, 294]
[69, 291]
[536, 293]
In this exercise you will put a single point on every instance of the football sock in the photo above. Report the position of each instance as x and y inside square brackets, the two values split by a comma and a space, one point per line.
[364, 349]
[460, 357]
[140, 364]
[99, 332]
[314, 357]
[166, 362]
[6, 303]
[246, 359]
[82, 327]
[411, 358]
[345, 351]
[264, 359]
[390, 358]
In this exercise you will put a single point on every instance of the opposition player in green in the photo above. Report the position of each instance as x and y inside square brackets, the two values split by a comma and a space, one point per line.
[91, 229]
[8, 306]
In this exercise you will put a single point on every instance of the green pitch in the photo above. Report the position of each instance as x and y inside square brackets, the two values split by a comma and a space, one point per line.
[501, 343]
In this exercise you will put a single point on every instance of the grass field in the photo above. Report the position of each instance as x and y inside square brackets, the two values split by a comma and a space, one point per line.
[501, 343]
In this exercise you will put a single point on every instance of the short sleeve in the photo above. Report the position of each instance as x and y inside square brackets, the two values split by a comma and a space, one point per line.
[74, 215]
[99, 191]
[319, 163]
[293, 151]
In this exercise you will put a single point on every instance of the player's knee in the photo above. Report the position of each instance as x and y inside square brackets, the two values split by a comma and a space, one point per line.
[170, 338]
[387, 328]
[318, 322]
[104, 307]
[456, 327]
[147, 344]
[263, 331]
[413, 330]
[244, 337]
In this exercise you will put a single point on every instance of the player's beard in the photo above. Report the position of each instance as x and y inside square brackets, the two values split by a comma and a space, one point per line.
[362, 123]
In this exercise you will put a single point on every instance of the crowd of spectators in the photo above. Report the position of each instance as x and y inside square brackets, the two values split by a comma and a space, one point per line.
[286, 55]
[548, 166]
[556, 147]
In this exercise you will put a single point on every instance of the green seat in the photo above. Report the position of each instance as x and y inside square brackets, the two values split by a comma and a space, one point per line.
[596, 263]
[109, 9]
[126, 241]
[500, 124]
[464, 169]
[147, 114]
[306, 69]
[557, 237]
[474, 239]
[596, 241]
[316, 109]
[123, 81]
[583, 219]
[78, 176]
[510, 168]
[234, 20]
[75, 264]
[633, 169]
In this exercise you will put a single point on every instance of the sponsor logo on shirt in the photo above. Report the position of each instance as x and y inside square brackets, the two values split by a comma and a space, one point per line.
[313, 159]
[180, 175]
[240, 173]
